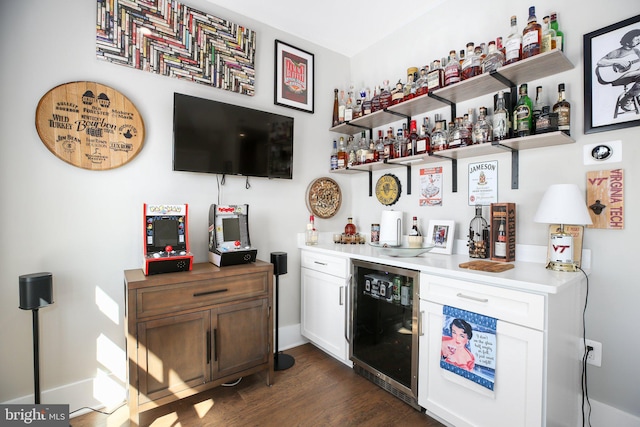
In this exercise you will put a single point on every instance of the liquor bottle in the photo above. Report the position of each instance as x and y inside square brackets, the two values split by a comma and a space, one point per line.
[373, 155]
[398, 143]
[334, 156]
[482, 130]
[458, 133]
[472, 65]
[375, 100]
[461, 57]
[537, 107]
[478, 236]
[415, 231]
[439, 137]
[341, 107]
[559, 34]
[531, 35]
[363, 149]
[336, 120]
[522, 114]
[412, 138]
[342, 154]
[401, 141]
[357, 108]
[422, 145]
[311, 237]
[500, 245]
[385, 96]
[422, 84]
[493, 60]
[410, 88]
[350, 228]
[548, 41]
[513, 44]
[500, 120]
[351, 152]
[452, 70]
[563, 109]
[366, 101]
[468, 120]
[348, 109]
[380, 148]
[397, 94]
[435, 77]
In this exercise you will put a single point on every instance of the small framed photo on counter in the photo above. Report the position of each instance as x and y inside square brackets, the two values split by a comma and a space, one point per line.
[441, 234]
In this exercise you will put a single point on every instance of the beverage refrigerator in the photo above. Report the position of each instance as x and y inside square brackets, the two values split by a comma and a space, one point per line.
[383, 344]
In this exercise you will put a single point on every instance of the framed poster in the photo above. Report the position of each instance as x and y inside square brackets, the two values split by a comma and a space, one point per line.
[294, 86]
[612, 77]
[483, 183]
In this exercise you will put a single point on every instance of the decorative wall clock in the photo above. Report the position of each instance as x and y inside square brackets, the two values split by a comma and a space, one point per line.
[323, 197]
[388, 189]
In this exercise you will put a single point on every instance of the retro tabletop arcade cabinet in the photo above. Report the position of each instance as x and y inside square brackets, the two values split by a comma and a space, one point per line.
[166, 239]
[229, 241]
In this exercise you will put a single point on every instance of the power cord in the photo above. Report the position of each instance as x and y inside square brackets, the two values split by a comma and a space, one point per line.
[97, 410]
[586, 419]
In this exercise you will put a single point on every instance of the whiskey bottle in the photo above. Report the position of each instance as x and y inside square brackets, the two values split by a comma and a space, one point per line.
[350, 228]
[471, 66]
[411, 87]
[439, 137]
[375, 100]
[415, 230]
[348, 109]
[513, 44]
[537, 107]
[493, 60]
[351, 152]
[422, 86]
[458, 135]
[500, 245]
[482, 131]
[341, 107]
[559, 34]
[563, 109]
[397, 94]
[342, 154]
[334, 156]
[311, 237]
[422, 144]
[435, 77]
[412, 138]
[381, 149]
[548, 41]
[336, 120]
[366, 101]
[401, 141]
[522, 115]
[500, 120]
[385, 96]
[452, 70]
[531, 36]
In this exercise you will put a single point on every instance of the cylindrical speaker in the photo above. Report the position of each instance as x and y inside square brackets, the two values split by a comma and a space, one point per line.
[279, 261]
[36, 290]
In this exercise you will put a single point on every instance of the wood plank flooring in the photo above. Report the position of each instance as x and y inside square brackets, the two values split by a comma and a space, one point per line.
[317, 391]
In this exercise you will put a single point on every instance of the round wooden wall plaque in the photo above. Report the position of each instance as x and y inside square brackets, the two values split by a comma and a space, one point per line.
[89, 125]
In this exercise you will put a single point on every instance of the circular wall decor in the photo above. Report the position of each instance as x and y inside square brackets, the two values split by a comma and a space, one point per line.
[323, 197]
[388, 189]
[89, 125]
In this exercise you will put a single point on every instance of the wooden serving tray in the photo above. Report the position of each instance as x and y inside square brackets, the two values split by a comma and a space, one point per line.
[490, 266]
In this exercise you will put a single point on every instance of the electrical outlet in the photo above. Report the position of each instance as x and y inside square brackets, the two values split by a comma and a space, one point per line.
[595, 355]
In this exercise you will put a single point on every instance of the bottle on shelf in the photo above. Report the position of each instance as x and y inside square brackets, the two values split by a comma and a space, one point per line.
[311, 237]
[501, 122]
[493, 60]
[373, 155]
[482, 129]
[472, 65]
[336, 116]
[548, 41]
[397, 94]
[342, 105]
[334, 156]
[435, 77]
[468, 121]
[411, 138]
[385, 96]
[422, 145]
[351, 152]
[363, 149]
[439, 137]
[415, 230]
[522, 114]
[513, 44]
[349, 106]
[531, 35]
[478, 236]
[366, 101]
[452, 70]
[563, 109]
[537, 107]
[422, 86]
[350, 228]
[459, 134]
[381, 149]
[342, 154]
[500, 245]
[559, 34]
[375, 100]
[411, 87]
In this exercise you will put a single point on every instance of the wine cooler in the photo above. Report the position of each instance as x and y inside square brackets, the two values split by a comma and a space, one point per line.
[384, 328]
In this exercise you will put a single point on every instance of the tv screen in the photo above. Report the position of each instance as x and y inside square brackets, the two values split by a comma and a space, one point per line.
[215, 137]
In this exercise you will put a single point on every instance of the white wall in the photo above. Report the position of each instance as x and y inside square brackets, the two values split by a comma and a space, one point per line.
[85, 226]
[614, 293]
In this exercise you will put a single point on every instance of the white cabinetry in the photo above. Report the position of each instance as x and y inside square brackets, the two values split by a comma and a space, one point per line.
[324, 308]
[537, 369]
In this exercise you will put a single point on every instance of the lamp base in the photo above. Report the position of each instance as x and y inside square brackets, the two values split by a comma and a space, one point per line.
[283, 362]
[561, 266]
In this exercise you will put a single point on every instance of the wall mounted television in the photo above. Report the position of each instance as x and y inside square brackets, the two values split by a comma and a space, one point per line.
[215, 137]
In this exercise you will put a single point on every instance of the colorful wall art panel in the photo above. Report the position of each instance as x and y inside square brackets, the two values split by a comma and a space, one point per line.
[169, 38]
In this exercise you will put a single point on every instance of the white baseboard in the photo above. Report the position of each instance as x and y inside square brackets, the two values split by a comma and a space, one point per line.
[605, 415]
[289, 337]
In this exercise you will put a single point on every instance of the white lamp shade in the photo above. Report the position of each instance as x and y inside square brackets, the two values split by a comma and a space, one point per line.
[563, 204]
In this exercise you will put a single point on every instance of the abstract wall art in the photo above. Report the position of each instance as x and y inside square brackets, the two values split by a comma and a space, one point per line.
[172, 39]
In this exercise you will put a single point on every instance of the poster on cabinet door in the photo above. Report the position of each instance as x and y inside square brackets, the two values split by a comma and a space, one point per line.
[483, 183]
[469, 345]
[431, 186]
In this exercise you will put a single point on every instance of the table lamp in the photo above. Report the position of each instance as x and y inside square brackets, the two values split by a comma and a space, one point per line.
[562, 204]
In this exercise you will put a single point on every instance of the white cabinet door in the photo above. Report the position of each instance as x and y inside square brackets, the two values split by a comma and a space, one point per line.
[323, 312]
[518, 392]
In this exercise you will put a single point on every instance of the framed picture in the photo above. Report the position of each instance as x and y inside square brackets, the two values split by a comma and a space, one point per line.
[294, 86]
[441, 234]
[612, 77]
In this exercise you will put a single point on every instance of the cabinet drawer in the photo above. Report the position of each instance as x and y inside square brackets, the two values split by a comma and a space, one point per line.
[181, 296]
[517, 307]
[336, 266]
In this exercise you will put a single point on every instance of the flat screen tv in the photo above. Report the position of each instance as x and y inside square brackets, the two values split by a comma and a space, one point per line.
[219, 138]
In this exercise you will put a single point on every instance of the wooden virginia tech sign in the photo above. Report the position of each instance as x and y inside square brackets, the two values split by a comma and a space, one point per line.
[605, 198]
[89, 125]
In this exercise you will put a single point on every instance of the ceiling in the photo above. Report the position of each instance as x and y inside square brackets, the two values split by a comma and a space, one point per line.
[344, 26]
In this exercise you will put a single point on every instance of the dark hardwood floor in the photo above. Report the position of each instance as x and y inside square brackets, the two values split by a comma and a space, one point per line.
[317, 391]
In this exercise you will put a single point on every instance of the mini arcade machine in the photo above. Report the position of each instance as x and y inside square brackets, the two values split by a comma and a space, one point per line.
[229, 242]
[166, 241]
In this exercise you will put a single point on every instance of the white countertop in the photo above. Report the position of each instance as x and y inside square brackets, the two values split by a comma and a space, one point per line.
[525, 276]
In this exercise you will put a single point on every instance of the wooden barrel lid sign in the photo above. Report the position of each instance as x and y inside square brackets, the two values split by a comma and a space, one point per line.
[90, 125]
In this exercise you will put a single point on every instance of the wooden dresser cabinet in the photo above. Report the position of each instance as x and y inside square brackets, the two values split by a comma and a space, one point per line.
[190, 331]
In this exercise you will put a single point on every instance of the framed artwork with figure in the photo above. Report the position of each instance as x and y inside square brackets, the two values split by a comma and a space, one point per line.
[612, 77]
[294, 81]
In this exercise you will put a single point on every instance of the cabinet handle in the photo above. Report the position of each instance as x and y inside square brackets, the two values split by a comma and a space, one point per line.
[200, 294]
[215, 345]
[340, 295]
[208, 346]
[346, 310]
[420, 317]
[460, 295]
[320, 263]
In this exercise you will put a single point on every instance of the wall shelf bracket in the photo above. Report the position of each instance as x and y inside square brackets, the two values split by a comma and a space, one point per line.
[450, 103]
[515, 163]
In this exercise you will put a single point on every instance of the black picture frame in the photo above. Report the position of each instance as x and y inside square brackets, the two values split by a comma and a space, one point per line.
[612, 87]
[294, 77]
